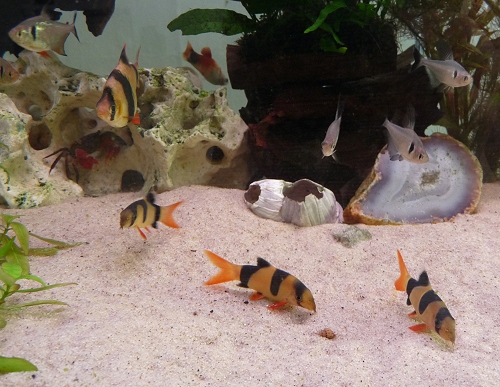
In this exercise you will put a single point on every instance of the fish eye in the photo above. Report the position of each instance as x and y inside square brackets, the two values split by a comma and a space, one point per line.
[420, 156]
[466, 78]
[298, 298]
[19, 33]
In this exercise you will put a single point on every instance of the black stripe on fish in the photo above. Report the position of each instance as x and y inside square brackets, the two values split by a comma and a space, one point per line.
[278, 278]
[423, 279]
[440, 316]
[127, 90]
[247, 271]
[1, 71]
[412, 283]
[455, 73]
[411, 148]
[108, 93]
[193, 57]
[429, 297]
[300, 288]
[33, 32]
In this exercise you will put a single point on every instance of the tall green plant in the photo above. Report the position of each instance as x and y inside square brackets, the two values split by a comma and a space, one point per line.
[15, 271]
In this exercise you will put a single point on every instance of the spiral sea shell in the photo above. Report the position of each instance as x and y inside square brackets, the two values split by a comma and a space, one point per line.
[304, 203]
[327, 333]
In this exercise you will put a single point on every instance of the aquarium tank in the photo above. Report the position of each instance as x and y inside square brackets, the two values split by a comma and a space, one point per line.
[318, 111]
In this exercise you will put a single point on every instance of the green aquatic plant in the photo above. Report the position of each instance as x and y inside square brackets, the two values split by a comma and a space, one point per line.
[15, 270]
[324, 17]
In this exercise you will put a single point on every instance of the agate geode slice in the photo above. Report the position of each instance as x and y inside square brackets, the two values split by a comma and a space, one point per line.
[399, 192]
[304, 203]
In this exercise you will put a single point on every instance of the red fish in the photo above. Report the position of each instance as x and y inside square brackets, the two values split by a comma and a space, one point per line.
[205, 64]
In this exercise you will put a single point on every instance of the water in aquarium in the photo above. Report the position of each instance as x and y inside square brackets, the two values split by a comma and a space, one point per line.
[206, 177]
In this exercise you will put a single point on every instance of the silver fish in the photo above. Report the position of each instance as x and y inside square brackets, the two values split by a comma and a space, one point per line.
[40, 33]
[332, 134]
[403, 142]
[8, 74]
[447, 71]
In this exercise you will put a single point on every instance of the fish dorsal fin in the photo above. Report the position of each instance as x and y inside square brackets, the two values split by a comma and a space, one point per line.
[423, 280]
[123, 55]
[150, 198]
[137, 57]
[261, 262]
[409, 118]
[340, 108]
[205, 51]
[444, 50]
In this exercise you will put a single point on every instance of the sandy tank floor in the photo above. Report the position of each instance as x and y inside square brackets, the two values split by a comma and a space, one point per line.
[141, 316]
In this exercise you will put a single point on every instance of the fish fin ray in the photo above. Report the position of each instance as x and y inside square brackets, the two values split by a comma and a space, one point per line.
[142, 233]
[419, 328]
[228, 271]
[256, 296]
[166, 215]
[205, 51]
[261, 262]
[401, 282]
[277, 305]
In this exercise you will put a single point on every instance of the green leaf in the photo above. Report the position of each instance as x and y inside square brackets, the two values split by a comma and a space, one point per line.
[9, 218]
[17, 257]
[35, 303]
[6, 247]
[6, 278]
[12, 269]
[223, 21]
[22, 235]
[330, 8]
[41, 288]
[60, 244]
[15, 364]
[33, 278]
[43, 251]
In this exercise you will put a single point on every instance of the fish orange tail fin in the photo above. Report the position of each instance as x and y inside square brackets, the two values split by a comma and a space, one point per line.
[401, 282]
[166, 215]
[136, 120]
[187, 53]
[228, 271]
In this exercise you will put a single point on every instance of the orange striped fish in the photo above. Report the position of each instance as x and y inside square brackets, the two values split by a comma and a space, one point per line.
[429, 308]
[267, 281]
[144, 213]
[118, 103]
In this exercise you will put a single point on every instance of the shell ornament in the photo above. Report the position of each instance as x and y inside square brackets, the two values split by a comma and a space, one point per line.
[303, 203]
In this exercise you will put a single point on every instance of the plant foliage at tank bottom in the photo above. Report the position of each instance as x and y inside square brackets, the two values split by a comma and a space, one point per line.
[14, 266]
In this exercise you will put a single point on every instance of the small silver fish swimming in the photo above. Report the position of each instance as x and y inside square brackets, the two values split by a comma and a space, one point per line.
[41, 34]
[8, 74]
[403, 142]
[332, 134]
[447, 71]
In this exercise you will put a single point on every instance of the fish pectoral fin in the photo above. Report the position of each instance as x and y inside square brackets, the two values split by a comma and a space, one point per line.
[135, 119]
[46, 54]
[396, 157]
[277, 305]
[419, 328]
[256, 296]
[412, 314]
[142, 234]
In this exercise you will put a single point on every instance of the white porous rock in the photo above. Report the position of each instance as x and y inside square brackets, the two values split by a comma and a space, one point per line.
[186, 136]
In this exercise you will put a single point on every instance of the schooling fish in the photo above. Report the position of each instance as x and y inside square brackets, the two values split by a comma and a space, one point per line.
[8, 74]
[267, 281]
[144, 213]
[41, 34]
[332, 134]
[429, 307]
[118, 103]
[404, 143]
[447, 71]
[204, 63]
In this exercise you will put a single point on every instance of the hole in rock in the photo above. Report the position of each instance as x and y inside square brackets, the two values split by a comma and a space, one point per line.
[132, 181]
[39, 136]
[215, 154]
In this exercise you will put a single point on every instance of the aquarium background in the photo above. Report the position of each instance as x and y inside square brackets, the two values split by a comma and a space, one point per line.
[144, 24]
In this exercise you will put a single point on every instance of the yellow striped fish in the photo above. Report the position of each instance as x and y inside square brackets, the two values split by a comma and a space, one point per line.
[429, 307]
[118, 103]
[144, 213]
[267, 281]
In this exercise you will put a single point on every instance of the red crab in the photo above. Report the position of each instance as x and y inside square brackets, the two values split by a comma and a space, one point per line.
[79, 152]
